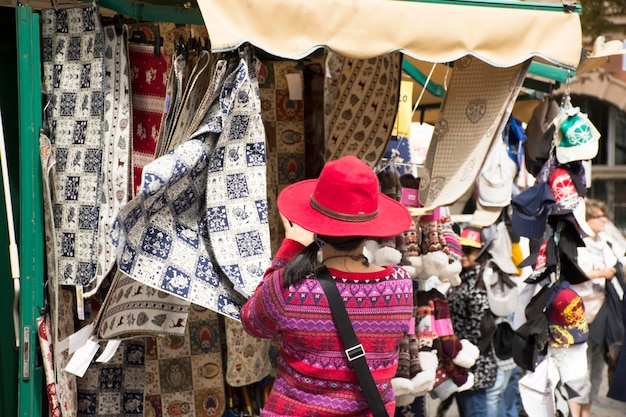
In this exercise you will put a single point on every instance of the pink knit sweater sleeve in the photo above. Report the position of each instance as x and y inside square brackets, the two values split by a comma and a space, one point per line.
[260, 314]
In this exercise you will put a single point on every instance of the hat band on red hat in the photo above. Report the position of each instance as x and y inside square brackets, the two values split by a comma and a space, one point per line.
[361, 217]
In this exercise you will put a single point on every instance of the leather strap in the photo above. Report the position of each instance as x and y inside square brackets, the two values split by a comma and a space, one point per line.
[354, 350]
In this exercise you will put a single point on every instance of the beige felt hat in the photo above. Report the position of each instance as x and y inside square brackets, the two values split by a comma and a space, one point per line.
[600, 54]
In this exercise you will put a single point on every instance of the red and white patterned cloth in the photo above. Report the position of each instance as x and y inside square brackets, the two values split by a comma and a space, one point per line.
[148, 82]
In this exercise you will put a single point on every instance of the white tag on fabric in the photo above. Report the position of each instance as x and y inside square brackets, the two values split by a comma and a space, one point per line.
[76, 340]
[82, 358]
[80, 304]
[294, 85]
[109, 351]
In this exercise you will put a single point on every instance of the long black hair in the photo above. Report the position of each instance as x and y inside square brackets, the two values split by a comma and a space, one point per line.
[306, 262]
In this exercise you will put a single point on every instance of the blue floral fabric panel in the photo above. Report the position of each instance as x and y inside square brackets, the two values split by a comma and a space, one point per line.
[161, 234]
[237, 212]
[198, 227]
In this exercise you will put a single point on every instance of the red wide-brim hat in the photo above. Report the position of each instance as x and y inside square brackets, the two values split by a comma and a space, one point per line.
[344, 201]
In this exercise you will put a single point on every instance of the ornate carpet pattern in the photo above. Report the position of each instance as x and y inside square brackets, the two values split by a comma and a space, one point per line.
[184, 376]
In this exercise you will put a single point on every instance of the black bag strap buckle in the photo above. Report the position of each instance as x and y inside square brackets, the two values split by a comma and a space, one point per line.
[355, 352]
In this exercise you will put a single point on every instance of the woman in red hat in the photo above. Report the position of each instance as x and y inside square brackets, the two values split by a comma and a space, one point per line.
[330, 217]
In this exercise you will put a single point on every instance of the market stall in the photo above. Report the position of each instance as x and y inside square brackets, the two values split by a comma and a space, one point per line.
[499, 36]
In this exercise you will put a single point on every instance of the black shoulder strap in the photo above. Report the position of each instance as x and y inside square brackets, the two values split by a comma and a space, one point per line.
[354, 350]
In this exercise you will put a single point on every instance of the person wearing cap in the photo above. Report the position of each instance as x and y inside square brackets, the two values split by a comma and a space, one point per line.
[598, 261]
[330, 217]
[469, 310]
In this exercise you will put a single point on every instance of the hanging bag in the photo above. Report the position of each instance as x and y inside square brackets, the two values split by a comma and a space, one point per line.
[354, 350]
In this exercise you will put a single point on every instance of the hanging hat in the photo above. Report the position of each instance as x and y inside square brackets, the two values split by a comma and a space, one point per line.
[485, 215]
[600, 54]
[545, 261]
[453, 243]
[503, 340]
[471, 236]
[571, 271]
[538, 260]
[576, 138]
[568, 192]
[410, 196]
[344, 201]
[501, 249]
[566, 317]
[531, 208]
[501, 290]
[539, 135]
[495, 181]
[537, 390]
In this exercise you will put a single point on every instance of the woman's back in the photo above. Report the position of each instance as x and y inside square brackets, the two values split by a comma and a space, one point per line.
[314, 376]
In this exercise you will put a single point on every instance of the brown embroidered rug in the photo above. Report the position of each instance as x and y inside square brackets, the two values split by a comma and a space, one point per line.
[364, 106]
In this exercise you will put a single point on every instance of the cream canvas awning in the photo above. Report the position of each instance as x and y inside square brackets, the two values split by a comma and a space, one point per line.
[427, 31]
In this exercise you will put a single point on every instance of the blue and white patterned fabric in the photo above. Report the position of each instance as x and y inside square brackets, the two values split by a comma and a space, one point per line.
[161, 233]
[237, 217]
[72, 45]
[207, 192]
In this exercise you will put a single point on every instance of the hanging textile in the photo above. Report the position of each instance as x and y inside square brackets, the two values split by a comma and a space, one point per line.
[364, 106]
[62, 303]
[247, 357]
[72, 56]
[172, 33]
[482, 95]
[314, 133]
[133, 309]
[148, 82]
[184, 373]
[186, 101]
[116, 155]
[45, 343]
[191, 98]
[211, 93]
[283, 121]
[115, 388]
[236, 184]
[162, 233]
[62, 318]
[176, 81]
[333, 65]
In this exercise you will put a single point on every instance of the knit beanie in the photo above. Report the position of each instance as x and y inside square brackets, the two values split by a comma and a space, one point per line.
[444, 387]
[450, 344]
[412, 240]
[425, 322]
[389, 185]
[453, 241]
[404, 358]
[412, 237]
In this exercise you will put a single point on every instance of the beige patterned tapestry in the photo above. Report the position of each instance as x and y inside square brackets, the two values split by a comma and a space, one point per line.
[474, 111]
[363, 109]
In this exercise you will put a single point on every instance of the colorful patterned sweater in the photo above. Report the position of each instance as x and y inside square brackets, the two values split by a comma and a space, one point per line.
[314, 377]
